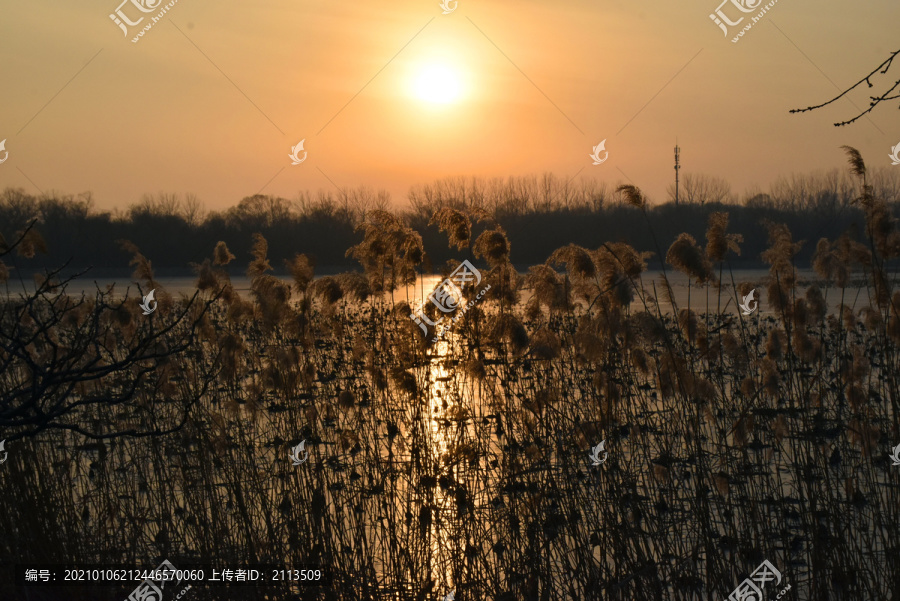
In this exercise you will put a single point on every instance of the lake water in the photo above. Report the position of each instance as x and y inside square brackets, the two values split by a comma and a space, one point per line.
[697, 298]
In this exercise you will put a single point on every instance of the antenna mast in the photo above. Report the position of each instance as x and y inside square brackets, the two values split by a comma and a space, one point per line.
[677, 167]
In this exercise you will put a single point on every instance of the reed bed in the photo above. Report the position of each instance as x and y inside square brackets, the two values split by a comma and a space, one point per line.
[463, 464]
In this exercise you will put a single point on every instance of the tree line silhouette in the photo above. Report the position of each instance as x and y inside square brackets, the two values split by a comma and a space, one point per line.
[538, 214]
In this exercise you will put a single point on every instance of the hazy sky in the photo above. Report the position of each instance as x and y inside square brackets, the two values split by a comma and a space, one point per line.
[394, 93]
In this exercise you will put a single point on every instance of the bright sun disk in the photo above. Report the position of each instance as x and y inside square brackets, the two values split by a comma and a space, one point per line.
[437, 84]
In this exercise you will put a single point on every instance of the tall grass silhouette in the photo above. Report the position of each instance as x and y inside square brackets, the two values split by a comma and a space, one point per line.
[463, 464]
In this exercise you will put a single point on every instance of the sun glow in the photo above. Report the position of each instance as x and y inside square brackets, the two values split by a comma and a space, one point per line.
[437, 84]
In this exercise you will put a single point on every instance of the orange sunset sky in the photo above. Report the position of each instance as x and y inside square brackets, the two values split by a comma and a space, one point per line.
[394, 93]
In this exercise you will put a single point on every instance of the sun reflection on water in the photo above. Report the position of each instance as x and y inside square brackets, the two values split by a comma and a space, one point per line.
[439, 389]
[443, 402]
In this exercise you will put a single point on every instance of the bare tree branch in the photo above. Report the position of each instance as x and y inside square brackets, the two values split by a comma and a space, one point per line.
[874, 101]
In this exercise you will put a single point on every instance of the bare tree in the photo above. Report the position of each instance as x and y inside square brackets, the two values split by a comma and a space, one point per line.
[827, 192]
[259, 211]
[700, 189]
[90, 364]
[192, 210]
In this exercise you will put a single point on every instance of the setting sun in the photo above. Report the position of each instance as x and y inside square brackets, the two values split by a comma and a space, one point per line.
[437, 84]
